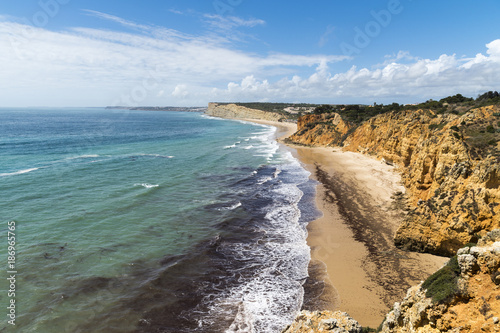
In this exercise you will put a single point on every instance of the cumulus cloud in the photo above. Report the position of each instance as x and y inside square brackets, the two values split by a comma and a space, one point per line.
[401, 56]
[402, 78]
[494, 49]
[180, 91]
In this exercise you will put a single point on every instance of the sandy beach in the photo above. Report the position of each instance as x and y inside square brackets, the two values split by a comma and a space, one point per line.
[353, 241]
[283, 129]
[355, 266]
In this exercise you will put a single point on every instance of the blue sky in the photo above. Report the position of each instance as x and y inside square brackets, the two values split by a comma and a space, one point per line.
[172, 52]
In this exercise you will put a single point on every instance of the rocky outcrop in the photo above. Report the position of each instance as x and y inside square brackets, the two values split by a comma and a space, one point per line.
[321, 130]
[233, 111]
[450, 166]
[472, 305]
[323, 321]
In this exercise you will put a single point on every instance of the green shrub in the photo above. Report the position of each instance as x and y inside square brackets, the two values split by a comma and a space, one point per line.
[458, 98]
[379, 328]
[442, 285]
[490, 129]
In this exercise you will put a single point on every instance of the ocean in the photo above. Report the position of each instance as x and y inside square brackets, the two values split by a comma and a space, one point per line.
[147, 221]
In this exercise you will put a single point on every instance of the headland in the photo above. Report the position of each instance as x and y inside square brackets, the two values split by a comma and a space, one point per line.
[400, 193]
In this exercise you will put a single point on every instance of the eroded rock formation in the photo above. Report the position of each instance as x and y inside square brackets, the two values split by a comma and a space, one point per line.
[471, 301]
[450, 166]
[323, 321]
[321, 130]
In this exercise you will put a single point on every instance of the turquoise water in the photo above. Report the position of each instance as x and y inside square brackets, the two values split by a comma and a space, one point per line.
[125, 216]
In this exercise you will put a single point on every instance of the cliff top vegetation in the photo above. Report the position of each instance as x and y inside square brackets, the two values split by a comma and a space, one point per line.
[456, 104]
[357, 113]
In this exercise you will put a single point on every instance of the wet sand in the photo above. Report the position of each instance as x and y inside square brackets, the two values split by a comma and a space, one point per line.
[355, 266]
[364, 273]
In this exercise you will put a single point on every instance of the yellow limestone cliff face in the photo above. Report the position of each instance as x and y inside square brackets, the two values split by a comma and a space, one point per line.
[468, 289]
[320, 130]
[462, 297]
[233, 111]
[450, 166]
[323, 321]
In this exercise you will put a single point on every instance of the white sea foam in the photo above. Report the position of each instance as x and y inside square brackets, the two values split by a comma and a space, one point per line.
[206, 116]
[232, 207]
[82, 157]
[146, 185]
[265, 146]
[20, 172]
[155, 155]
[269, 300]
[233, 145]
[236, 205]
[264, 180]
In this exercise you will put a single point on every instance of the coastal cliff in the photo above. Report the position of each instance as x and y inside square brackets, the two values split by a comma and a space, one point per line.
[321, 130]
[450, 165]
[463, 296]
[233, 111]
[450, 168]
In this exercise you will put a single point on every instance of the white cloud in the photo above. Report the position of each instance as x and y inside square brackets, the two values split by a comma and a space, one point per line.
[417, 80]
[401, 56]
[230, 27]
[84, 66]
[107, 65]
[180, 91]
[115, 19]
[326, 36]
[494, 49]
[231, 22]
[175, 11]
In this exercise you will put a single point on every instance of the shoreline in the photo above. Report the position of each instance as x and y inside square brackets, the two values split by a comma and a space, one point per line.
[354, 238]
[283, 129]
[355, 266]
